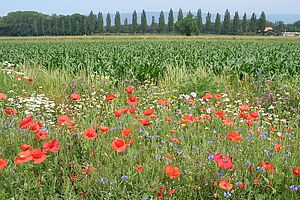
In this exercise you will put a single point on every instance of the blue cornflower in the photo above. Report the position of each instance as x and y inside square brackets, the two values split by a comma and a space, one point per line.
[103, 180]
[124, 178]
[260, 169]
[227, 194]
[248, 164]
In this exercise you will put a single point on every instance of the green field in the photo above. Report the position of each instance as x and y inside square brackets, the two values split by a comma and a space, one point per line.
[210, 117]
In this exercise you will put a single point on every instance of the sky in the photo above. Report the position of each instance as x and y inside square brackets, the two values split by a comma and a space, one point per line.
[127, 6]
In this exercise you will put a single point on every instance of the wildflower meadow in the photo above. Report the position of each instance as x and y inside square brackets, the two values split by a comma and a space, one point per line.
[185, 130]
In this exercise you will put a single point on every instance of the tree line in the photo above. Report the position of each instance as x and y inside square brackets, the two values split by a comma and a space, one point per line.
[30, 23]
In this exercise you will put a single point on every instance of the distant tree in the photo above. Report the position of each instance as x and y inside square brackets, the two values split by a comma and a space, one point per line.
[208, 23]
[199, 21]
[279, 27]
[91, 23]
[180, 15]
[153, 25]
[226, 23]
[186, 25]
[161, 23]
[134, 22]
[43, 26]
[245, 23]
[144, 22]
[218, 24]
[69, 26]
[117, 22]
[126, 26]
[100, 23]
[108, 23]
[262, 22]
[171, 21]
[253, 23]
[236, 23]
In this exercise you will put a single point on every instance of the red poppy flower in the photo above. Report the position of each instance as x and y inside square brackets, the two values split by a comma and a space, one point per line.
[223, 161]
[90, 133]
[23, 157]
[88, 169]
[25, 147]
[169, 120]
[218, 96]
[174, 140]
[132, 110]
[10, 111]
[220, 114]
[110, 97]
[254, 115]
[25, 122]
[189, 118]
[234, 136]
[30, 80]
[75, 97]
[227, 122]
[172, 171]
[138, 168]
[38, 156]
[129, 89]
[64, 120]
[278, 147]
[267, 165]
[162, 102]
[119, 145]
[118, 113]
[104, 129]
[132, 100]
[3, 163]
[52, 146]
[3, 96]
[244, 108]
[207, 96]
[242, 185]
[41, 135]
[296, 171]
[145, 122]
[19, 77]
[225, 185]
[126, 132]
[148, 112]
[171, 191]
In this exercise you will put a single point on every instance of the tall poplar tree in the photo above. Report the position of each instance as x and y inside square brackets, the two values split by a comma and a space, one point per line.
[236, 23]
[161, 23]
[226, 23]
[134, 22]
[117, 22]
[199, 21]
[245, 23]
[253, 23]
[153, 25]
[262, 22]
[126, 26]
[180, 15]
[144, 22]
[100, 23]
[218, 24]
[91, 20]
[108, 23]
[171, 21]
[208, 23]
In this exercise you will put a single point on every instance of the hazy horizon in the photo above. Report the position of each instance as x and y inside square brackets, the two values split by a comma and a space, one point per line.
[67, 7]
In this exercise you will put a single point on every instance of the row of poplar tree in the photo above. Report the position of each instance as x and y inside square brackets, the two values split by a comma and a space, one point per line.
[34, 23]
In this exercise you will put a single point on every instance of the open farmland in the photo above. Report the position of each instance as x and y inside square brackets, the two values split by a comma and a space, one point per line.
[149, 118]
[143, 59]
